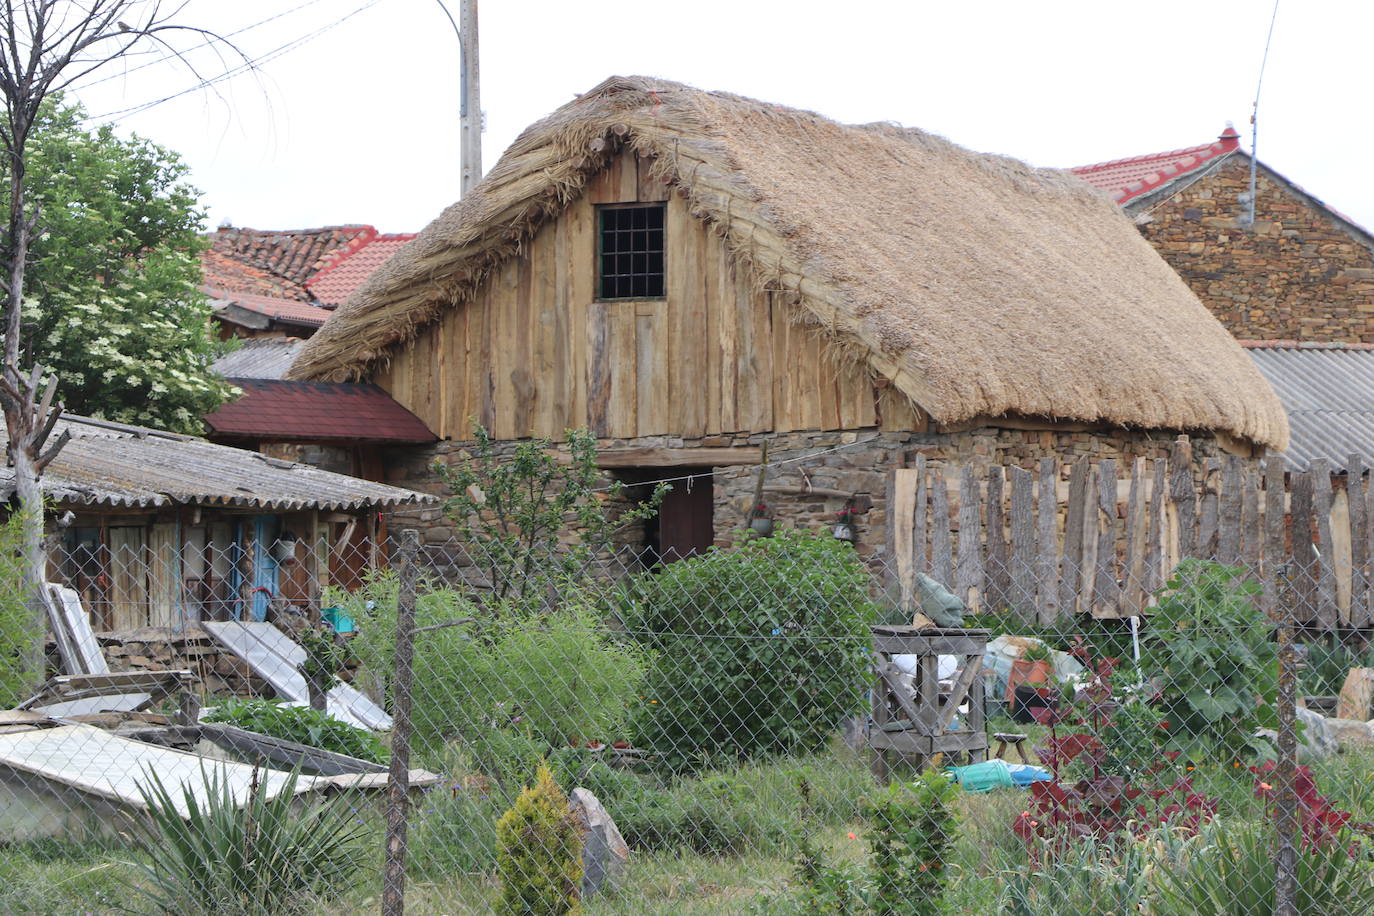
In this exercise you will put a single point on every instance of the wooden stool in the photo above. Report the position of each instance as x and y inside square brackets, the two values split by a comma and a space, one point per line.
[1017, 741]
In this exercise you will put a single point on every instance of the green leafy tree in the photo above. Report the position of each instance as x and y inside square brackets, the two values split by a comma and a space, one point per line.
[112, 298]
[511, 508]
[1210, 649]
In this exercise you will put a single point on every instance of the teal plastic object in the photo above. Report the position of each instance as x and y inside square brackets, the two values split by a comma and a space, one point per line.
[984, 777]
[339, 619]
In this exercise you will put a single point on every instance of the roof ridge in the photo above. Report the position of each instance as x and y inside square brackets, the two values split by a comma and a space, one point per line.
[1129, 160]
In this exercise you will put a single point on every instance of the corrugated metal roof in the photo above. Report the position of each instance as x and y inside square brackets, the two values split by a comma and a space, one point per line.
[262, 357]
[111, 464]
[1328, 391]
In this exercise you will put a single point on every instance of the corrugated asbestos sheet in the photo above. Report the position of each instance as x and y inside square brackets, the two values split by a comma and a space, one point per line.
[115, 465]
[1328, 392]
[267, 357]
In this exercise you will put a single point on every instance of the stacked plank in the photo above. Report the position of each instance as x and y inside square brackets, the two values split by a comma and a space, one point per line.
[1103, 537]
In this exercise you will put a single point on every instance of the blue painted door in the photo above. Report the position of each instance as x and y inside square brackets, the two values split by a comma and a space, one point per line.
[265, 568]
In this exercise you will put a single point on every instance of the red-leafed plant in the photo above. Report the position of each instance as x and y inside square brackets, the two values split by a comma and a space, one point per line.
[1321, 822]
[1105, 787]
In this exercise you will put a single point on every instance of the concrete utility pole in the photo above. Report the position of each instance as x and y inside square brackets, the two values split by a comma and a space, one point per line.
[470, 112]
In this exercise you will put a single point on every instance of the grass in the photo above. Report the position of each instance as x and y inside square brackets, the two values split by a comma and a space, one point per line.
[57, 878]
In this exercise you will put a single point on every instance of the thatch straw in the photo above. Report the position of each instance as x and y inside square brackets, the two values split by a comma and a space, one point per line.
[979, 285]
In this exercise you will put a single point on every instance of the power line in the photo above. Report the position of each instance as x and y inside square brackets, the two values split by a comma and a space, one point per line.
[245, 67]
[205, 44]
[752, 467]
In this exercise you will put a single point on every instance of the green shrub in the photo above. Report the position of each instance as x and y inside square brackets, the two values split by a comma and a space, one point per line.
[539, 853]
[911, 833]
[221, 857]
[559, 676]
[1210, 648]
[1228, 870]
[758, 651]
[301, 725]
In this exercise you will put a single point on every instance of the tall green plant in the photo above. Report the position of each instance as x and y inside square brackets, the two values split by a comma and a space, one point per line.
[21, 667]
[511, 508]
[758, 651]
[1210, 648]
[911, 834]
[206, 854]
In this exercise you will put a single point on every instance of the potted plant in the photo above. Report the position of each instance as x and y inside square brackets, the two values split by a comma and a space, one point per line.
[1035, 666]
[760, 522]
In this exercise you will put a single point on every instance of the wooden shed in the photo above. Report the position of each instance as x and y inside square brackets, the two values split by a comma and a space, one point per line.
[690, 274]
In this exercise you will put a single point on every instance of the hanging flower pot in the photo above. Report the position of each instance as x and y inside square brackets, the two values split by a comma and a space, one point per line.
[761, 524]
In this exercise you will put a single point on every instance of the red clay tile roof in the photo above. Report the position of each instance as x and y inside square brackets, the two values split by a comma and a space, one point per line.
[275, 409]
[225, 272]
[290, 311]
[1126, 179]
[353, 264]
[293, 254]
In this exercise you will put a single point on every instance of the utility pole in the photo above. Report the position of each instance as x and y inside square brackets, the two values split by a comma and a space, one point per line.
[470, 110]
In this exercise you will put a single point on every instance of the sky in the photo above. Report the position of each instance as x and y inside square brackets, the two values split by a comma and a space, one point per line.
[358, 123]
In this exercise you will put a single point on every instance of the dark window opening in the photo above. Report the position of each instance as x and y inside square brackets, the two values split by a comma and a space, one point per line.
[685, 523]
[631, 252]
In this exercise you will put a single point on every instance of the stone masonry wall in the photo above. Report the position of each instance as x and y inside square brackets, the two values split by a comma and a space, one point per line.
[1297, 275]
[851, 461]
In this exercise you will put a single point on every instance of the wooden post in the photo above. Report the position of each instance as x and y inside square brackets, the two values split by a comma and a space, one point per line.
[1106, 595]
[1047, 532]
[394, 873]
[1304, 570]
[1274, 528]
[1157, 556]
[1072, 567]
[470, 104]
[1326, 561]
[969, 578]
[1251, 526]
[1023, 544]
[920, 538]
[1229, 517]
[999, 581]
[942, 561]
[1132, 567]
[1183, 496]
[1359, 542]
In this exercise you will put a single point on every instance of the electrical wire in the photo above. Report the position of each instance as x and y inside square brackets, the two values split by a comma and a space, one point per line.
[752, 467]
[112, 117]
[205, 44]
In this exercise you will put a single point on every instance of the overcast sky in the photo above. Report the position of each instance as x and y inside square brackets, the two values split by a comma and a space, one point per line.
[359, 124]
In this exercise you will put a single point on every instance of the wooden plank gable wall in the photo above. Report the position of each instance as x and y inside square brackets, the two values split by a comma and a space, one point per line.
[535, 353]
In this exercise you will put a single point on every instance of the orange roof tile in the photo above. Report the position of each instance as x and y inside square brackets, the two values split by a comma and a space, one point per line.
[353, 264]
[1126, 179]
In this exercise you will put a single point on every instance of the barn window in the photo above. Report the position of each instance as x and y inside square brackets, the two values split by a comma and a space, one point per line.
[631, 252]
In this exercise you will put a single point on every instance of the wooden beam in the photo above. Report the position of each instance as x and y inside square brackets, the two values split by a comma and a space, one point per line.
[673, 457]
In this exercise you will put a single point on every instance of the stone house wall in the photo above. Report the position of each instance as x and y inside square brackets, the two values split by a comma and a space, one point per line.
[850, 461]
[1299, 274]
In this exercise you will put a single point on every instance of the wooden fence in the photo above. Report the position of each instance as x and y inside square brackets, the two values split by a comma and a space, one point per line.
[1101, 538]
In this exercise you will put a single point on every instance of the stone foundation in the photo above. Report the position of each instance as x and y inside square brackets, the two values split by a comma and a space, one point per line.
[853, 462]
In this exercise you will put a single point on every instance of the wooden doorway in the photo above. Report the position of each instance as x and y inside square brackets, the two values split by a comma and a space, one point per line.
[685, 523]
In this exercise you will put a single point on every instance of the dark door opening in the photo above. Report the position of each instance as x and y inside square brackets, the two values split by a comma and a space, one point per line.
[685, 523]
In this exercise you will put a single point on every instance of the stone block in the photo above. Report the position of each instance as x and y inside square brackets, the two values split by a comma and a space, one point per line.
[604, 851]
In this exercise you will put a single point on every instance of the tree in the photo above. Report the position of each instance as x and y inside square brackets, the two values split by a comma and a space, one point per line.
[112, 300]
[45, 46]
[512, 510]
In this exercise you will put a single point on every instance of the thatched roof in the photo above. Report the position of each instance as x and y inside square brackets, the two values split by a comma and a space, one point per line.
[977, 284]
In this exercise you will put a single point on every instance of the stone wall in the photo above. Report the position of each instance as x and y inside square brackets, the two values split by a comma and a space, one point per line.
[854, 462]
[1297, 275]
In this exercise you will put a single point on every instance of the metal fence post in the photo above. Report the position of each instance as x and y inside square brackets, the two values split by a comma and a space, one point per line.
[394, 874]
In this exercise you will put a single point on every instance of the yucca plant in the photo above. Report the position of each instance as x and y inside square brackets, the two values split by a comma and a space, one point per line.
[265, 855]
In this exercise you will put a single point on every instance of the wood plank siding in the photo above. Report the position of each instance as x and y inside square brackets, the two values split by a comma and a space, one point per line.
[535, 352]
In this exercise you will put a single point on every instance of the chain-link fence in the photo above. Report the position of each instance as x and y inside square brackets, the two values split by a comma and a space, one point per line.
[776, 727]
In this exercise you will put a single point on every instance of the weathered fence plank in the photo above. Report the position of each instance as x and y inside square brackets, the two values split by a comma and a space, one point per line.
[998, 577]
[1327, 613]
[920, 537]
[941, 548]
[1229, 512]
[1302, 589]
[1182, 497]
[1359, 544]
[968, 581]
[1208, 512]
[1072, 567]
[1158, 554]
[1023, 544]
[1274, 548]
[1133, 562]
[1047, 533]
[901, 508]
[1251, 525]
[1106, 592]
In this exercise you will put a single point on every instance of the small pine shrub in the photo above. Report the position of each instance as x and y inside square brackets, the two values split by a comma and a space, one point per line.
[539, 853]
